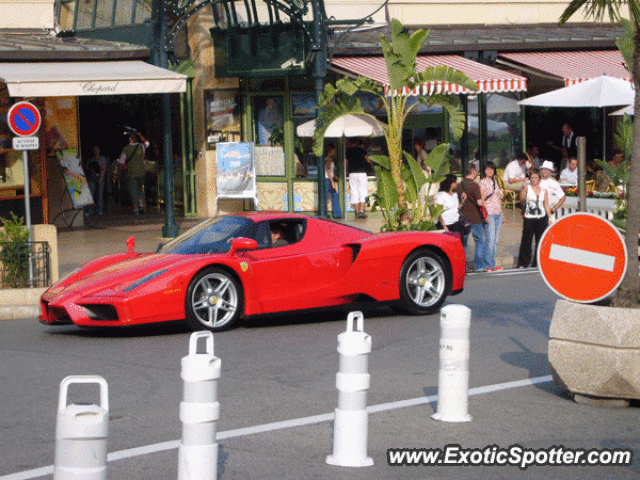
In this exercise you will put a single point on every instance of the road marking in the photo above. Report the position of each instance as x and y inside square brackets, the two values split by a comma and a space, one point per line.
[583, 258]
[271, 427]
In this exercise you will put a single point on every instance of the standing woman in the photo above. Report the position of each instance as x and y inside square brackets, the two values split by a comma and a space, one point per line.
[330, 181]
[492, 195]
[421, 154]
[448, 198]
[536, 217]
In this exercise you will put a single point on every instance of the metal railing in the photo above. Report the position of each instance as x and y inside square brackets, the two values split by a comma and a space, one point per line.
[25, 264]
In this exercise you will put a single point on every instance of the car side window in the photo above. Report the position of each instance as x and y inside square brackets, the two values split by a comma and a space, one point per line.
[263, 235]
[286, 232]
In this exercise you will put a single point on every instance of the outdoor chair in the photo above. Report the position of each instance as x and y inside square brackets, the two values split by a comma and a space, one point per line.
[509, 197]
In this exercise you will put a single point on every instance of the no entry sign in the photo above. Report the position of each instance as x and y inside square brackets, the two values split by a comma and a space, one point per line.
[582, 257]
[24, 119]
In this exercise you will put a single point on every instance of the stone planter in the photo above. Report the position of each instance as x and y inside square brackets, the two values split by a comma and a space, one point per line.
[594, 351]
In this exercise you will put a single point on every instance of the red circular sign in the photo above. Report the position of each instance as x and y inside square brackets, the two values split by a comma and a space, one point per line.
[582, 257]
[24, 119]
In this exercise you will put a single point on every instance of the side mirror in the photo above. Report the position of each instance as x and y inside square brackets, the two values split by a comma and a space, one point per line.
[131, 243]
[242, 244]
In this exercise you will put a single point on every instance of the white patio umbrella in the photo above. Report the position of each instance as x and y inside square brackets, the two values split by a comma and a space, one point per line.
[603, 91]
[628, 110]
[345, 126]
[494, 129]
[495, 104]
[600, 92]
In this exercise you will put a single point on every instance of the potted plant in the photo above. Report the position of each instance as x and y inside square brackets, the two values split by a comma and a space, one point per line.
[399, 183]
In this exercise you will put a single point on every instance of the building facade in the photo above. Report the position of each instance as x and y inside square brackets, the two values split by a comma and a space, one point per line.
[230, 99]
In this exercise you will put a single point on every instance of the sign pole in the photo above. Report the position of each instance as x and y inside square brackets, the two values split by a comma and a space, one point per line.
[27, 209]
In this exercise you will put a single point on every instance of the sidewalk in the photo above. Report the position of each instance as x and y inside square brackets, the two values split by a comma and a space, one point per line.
[109, 234]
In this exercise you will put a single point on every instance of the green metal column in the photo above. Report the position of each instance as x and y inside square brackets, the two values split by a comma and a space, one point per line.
[319, 50]
[170, 229]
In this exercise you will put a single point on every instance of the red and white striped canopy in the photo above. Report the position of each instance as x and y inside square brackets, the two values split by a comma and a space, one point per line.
[573, 67]
[489, 79]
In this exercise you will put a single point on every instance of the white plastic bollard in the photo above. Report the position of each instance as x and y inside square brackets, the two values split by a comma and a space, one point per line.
[351, 424]
[82, 432]
[453, 378]
[199, 412]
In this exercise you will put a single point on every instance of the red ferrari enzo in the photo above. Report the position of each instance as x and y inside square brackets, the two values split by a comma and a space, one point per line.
[252, 264]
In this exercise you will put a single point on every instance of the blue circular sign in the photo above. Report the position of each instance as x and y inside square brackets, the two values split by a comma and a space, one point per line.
[24, 119]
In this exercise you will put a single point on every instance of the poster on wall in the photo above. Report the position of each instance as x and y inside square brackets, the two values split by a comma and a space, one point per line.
[222, 109]
[270, 161]
[236, 170]
[62, 124]
[74, 177]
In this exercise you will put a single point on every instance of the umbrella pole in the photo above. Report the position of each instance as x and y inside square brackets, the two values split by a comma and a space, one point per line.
[604, 134]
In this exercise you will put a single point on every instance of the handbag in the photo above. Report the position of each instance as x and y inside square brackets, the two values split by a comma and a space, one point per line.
[484, 213]
[465, 223]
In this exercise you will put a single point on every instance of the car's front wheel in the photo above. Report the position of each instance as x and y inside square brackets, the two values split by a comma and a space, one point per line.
[214, 300]
[424, 283]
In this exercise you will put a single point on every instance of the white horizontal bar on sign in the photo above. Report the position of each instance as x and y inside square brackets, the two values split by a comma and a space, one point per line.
[583, 258]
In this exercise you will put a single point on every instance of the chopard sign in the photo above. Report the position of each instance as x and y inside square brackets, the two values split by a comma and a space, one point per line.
[99, 88]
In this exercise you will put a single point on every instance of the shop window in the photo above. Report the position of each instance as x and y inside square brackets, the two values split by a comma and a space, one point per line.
[504, 137]
[303, 107]
[269, 135]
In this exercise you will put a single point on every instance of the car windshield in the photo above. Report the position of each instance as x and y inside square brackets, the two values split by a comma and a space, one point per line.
[211, 236]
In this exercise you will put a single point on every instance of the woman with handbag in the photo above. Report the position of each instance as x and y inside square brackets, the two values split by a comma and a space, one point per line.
[492, 212]
[448, 198]
[536, 218]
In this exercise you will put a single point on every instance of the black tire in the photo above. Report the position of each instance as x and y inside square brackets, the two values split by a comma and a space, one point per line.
[425, 282]
[214, 300]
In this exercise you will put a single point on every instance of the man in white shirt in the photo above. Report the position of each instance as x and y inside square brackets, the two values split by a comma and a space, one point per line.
[570, 174]
[515, 174]
[553, 188]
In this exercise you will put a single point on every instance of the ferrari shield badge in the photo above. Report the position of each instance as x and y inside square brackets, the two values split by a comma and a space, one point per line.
[244, 266]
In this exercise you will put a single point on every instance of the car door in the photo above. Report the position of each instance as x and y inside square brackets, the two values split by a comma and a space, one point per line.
[303, 274]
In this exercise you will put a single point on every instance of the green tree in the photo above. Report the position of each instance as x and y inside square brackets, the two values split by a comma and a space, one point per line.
[629, 45]
[400, 57]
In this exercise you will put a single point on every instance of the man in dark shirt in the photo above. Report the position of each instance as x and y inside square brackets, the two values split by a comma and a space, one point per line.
[357, 160]
[471, 200]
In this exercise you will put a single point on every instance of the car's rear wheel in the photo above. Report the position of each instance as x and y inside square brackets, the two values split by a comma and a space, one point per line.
[214, 300]
[424, 283]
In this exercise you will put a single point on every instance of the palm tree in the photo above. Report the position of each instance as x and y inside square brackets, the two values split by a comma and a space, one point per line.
[400, 57]
[629, 44]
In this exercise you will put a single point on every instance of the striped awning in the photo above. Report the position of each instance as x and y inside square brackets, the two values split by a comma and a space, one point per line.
[489, 79]
[570, 67]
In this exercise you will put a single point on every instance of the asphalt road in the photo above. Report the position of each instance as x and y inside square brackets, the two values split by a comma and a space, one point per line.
[283, 369]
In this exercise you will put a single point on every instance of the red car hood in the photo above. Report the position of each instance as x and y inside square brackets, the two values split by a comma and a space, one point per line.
[117, 277]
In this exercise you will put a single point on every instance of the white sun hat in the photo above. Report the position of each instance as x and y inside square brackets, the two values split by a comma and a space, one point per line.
[548, 165]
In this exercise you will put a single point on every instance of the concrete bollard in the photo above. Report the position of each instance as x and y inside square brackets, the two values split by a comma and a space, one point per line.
[199, 412]
[351, 423]
[453, 377]
[82, 432]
